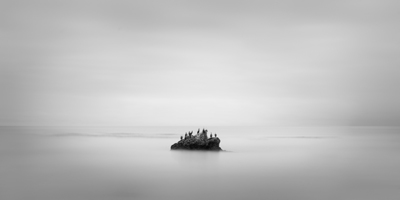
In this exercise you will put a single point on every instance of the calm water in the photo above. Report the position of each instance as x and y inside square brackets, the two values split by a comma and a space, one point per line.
[118, 163]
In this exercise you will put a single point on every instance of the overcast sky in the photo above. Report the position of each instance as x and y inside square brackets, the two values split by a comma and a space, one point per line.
[202, 63]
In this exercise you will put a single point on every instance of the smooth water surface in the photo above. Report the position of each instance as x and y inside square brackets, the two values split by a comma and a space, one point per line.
[118, 163]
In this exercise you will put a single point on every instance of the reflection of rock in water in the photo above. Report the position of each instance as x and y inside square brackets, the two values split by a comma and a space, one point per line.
[198, 142]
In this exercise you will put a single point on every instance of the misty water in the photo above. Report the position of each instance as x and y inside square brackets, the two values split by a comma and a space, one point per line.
[118, 163]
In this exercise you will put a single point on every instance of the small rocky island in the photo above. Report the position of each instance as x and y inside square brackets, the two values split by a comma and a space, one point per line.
[200, 141]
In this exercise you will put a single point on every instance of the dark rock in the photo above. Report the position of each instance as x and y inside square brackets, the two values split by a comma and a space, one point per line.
[200, 142]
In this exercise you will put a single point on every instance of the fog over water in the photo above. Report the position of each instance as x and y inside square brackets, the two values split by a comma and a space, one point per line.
[303, 94]
[85, 163]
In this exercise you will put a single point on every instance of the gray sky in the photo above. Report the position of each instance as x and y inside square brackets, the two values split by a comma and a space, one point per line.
[200, 63]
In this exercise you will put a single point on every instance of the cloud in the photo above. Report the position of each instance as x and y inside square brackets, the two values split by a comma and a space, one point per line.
[199, 62]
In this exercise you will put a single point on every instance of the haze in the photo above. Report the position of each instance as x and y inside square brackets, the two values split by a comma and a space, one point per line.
[172, 63]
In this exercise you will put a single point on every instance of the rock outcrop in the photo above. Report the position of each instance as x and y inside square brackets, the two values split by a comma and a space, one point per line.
[198, 142]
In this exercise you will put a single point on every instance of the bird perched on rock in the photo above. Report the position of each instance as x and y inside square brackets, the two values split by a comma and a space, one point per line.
[200, 141]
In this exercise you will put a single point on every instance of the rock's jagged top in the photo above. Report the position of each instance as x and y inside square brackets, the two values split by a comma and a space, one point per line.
[200, 141]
